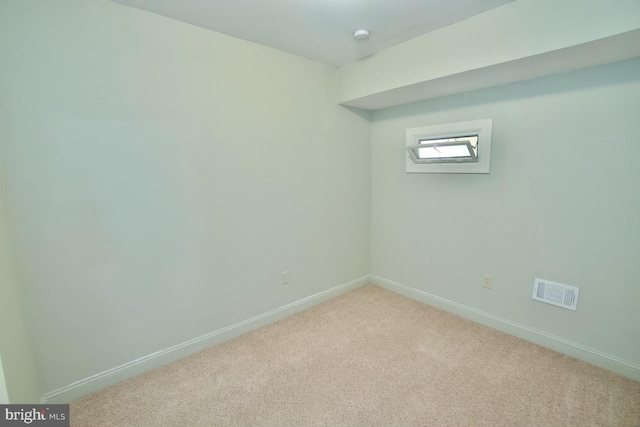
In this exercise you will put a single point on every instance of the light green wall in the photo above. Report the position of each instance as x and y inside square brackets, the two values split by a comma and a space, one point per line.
[562, 202]
[4, 394]
[161, 176]
[15, 349]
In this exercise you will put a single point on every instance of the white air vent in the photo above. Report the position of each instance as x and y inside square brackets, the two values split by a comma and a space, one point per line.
[564, 296]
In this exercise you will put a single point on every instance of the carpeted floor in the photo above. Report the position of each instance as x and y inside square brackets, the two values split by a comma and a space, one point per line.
[369, 358]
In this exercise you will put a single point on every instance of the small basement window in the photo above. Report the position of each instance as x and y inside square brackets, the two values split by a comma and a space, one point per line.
[462, 147]
[439, 150]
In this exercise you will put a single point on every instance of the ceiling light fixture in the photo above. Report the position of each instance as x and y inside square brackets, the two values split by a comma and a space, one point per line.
[361, 34]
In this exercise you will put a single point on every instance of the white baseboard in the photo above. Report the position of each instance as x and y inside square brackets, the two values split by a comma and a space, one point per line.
[561, 345]
[130, 369]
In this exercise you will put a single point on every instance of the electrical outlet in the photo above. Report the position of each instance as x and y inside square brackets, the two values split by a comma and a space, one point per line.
[285, 277]
[487, 282]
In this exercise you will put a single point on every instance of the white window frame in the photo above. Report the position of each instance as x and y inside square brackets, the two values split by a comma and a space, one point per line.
[482, 128]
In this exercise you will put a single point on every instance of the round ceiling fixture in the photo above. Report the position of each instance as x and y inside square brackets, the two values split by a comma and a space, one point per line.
[361, 34]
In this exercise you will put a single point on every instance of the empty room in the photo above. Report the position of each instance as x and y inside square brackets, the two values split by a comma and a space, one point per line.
[320, 213]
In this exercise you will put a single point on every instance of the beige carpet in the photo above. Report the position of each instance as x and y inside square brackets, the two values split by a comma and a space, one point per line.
[369, 358]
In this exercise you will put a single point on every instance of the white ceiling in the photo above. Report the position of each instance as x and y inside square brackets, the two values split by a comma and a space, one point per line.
[320, 29]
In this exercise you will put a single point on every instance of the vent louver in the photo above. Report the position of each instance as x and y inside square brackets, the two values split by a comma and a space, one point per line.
[557, 294]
